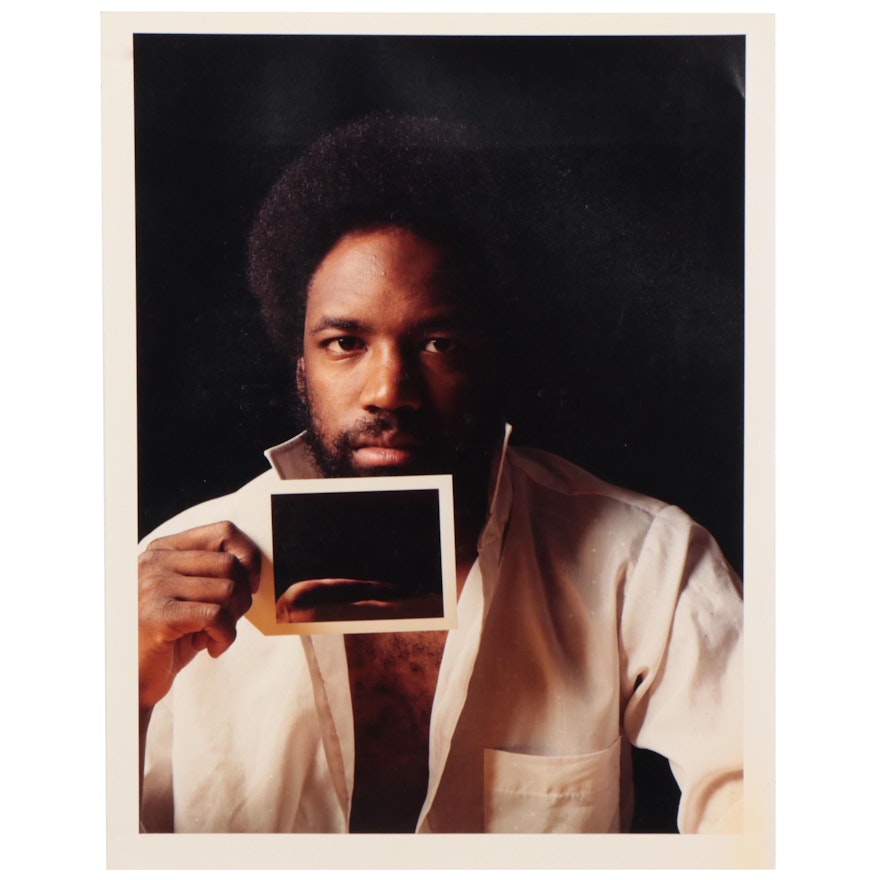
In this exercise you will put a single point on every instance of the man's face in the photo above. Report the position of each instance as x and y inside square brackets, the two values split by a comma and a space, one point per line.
[396, 375]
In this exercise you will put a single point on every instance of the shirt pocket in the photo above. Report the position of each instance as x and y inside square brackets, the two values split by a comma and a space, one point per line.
[560, 793]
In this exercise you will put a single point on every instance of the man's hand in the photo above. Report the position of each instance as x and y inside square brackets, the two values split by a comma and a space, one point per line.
[193, 587]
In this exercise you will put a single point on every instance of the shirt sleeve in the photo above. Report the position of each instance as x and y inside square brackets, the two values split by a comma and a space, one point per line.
[157, 800]
[681, 668]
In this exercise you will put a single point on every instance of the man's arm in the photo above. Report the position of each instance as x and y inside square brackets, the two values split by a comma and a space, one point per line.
[192, 589]
[681, 640]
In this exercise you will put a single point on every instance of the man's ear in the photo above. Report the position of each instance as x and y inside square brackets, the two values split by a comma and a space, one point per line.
[300, 380]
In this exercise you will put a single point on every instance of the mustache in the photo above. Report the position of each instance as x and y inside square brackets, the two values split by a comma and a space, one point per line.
[383, 423]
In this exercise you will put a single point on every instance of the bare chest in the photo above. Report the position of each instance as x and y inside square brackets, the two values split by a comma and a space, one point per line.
[393, 678]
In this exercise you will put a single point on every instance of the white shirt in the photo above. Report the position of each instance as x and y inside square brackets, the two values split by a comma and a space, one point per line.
[593, 618]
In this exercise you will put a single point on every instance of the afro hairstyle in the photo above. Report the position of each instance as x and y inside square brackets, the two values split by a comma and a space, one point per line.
[431, 177]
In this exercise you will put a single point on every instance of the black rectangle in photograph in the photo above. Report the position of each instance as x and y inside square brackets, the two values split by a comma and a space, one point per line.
[357, 556]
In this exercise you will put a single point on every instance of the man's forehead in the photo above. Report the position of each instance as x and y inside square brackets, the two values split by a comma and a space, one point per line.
[381, 268]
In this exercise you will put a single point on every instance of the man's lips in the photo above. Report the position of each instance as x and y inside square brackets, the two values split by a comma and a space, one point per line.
[394, 450]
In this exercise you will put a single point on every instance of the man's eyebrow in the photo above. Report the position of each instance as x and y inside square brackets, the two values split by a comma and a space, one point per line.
[442, 323]
[346, 325]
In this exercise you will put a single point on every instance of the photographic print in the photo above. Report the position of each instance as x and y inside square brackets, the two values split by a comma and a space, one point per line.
[436, 402]
[372, 554]
[356, 556]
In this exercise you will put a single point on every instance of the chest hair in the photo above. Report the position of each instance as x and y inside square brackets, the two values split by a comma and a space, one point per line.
[393, 678]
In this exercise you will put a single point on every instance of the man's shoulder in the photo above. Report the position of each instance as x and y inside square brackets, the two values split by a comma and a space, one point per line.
[564, 478]
[232, 507]
[557, 497]
[289, 460]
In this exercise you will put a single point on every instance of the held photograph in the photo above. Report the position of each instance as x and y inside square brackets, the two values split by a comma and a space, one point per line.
[362, 555]
[443, 426]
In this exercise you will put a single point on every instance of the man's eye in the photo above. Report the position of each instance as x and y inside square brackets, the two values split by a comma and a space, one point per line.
[344, 344]
[441, 345]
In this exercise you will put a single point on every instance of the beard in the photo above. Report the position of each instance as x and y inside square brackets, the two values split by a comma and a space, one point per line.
[435, 452]
[466, 455]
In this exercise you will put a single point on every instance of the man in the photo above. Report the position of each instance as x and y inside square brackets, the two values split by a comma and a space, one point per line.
[590, 618]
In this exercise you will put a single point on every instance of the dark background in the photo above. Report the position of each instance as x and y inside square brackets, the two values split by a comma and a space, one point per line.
[630, 360]
[387, 536]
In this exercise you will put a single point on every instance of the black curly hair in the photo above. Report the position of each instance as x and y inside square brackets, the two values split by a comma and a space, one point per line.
[431, 177]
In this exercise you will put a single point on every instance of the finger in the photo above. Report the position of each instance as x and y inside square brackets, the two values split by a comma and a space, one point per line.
[403, 609]
[223, 537]
[214, 644]
[198, 576]
[179, 619]
[371, 609]
[207, 563]
[231, 594]
[332, 591]
[190, 589]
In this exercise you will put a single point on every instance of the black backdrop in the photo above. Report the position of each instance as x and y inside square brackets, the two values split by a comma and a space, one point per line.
[632, 360]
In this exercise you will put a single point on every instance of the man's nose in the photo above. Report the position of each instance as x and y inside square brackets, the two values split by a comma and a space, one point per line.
[390, 383]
